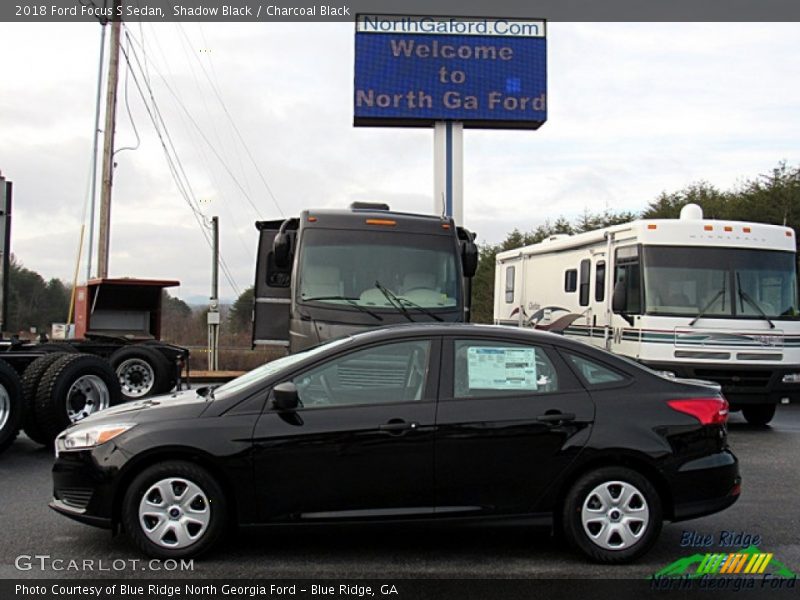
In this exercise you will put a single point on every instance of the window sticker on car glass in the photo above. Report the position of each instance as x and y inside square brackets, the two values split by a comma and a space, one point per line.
[502, 368]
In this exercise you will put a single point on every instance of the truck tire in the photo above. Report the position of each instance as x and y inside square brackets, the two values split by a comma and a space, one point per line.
[30, 382]
[10, 405]
[758, 415]
[72, 388]
[142, 371]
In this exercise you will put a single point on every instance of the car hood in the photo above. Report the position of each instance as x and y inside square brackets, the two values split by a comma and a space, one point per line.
[186, 404]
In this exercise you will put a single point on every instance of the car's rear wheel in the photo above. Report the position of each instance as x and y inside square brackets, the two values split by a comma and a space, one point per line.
[612, 515]
[174, 509]
[758, 415]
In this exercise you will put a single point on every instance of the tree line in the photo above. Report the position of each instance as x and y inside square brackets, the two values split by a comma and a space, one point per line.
[773, 197]
[767, 198]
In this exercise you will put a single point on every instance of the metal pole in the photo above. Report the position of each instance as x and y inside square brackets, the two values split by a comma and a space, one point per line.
[213, 309]
[95, 145]
[108, 145]
[448, 169]
[5, 249]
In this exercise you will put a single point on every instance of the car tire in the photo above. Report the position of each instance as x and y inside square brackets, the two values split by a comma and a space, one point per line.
[11, 406]
[758, 415]
[73, 387]
[142, 371]
[30, 382]
[197, 522]
[612, 515]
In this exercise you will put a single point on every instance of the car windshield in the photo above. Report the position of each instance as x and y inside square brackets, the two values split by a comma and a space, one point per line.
[378, 270]
[720, 282]
[268, 369]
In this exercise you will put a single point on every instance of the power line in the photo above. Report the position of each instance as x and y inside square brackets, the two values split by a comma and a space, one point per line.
[175, 166]
[217, 93]
[207, 141]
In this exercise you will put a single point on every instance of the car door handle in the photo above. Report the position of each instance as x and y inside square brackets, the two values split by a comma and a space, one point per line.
[558, 417]
[398, 426]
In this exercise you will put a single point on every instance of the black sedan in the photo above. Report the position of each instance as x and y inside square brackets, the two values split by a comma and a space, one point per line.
[414, 422]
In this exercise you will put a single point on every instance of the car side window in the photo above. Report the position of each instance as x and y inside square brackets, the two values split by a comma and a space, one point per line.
[487, 368]
[593, 372]
[390, 373]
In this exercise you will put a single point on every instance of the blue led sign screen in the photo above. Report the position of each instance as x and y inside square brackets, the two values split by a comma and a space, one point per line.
[485, 72]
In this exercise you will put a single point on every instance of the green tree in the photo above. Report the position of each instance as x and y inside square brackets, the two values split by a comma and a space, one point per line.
[241, 312]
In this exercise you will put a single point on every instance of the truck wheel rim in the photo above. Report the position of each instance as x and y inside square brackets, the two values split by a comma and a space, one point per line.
[174, 513]
[615, 515]
[136, 376]
[88, 395]
[5, 407]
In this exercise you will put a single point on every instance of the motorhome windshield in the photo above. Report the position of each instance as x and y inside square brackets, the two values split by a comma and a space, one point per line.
[720, 282]
[341, 268]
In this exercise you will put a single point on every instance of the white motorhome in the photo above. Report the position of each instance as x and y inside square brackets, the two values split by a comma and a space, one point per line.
[699, 298]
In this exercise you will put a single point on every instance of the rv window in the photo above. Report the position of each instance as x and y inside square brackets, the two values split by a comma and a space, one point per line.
[509, 284]
[600, 281]
[583, 297]
[571, 280]
[626, 270]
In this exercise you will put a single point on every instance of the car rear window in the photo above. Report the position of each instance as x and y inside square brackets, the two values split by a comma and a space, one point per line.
[594, 373]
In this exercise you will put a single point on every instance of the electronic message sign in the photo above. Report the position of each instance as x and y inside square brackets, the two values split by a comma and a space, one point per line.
[484, 72]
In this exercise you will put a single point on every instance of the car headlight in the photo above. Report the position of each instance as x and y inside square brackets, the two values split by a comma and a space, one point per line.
[83, 438]
[791, 378]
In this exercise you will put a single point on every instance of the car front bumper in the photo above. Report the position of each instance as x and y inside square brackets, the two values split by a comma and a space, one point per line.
[83, 488]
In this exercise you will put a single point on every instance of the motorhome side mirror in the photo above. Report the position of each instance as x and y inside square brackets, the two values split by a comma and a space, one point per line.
[619, 302]
[281, 249]
[469, 259]
[285, 397]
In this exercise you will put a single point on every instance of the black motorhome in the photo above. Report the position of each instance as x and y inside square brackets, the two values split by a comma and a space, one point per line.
[330, 273]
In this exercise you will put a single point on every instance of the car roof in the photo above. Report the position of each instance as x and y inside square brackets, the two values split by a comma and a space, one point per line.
[469, 329]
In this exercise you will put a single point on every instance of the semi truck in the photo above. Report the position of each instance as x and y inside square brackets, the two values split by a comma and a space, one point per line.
[692, 297]
[329, 273]
[114, 355]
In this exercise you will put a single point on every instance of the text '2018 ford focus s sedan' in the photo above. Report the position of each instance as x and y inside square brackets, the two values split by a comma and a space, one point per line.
[410, 422]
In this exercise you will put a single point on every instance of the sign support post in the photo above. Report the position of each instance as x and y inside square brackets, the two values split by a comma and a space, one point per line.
[448, 170]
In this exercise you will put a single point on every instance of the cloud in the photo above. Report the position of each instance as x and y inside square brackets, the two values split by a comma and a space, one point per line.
[635, 109]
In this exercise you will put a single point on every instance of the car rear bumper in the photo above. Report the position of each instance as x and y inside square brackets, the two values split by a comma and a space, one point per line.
[706, 485]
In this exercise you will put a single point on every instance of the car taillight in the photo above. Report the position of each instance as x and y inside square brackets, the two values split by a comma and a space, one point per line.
[709, 411]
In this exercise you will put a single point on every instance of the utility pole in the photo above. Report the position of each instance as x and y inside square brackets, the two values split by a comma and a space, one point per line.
[213, 308]
[95, 144]
[103, 245]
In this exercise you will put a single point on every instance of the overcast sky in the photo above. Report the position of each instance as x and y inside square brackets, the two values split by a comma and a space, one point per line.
[634, 110]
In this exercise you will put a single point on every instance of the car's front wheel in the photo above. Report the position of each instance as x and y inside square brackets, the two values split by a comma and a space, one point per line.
[612, 515]
[174, 509]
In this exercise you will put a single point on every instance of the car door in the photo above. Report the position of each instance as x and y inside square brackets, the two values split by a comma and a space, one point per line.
[361, 444]
[511, 417]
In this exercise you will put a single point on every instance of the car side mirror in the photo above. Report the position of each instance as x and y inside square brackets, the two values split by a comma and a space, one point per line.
[282, 250]
[469, 259]
[285, 396]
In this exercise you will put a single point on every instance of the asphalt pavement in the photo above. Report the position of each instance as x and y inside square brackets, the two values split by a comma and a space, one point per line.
[768, 508]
